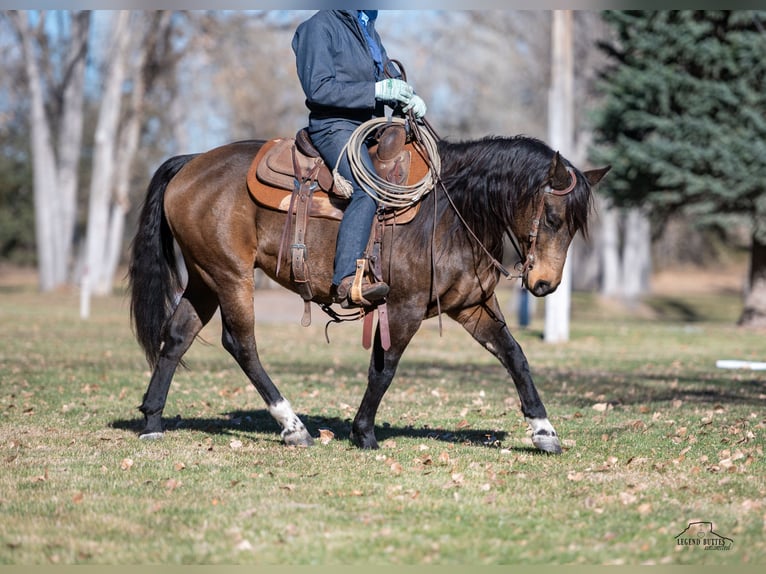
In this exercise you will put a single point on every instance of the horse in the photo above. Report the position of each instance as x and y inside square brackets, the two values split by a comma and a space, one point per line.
[445, 261]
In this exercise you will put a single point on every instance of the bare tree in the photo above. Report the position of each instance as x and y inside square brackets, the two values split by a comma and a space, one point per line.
[56, 122]
[131, 60]
[104, 164]
[151, 57]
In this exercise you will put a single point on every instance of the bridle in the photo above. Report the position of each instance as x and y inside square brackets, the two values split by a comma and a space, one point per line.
[525, 264]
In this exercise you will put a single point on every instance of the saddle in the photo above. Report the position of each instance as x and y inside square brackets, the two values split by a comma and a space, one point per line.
[289, 175]
[282, 162]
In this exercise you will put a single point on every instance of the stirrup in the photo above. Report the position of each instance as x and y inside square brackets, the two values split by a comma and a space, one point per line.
[355, 291]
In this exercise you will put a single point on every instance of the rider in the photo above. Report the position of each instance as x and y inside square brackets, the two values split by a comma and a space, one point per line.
[341, 66]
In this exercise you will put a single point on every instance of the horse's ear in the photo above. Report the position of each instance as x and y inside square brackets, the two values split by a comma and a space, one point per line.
[558, 173]
[595, 175]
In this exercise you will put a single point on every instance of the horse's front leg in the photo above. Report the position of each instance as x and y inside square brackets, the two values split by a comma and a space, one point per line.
[383, 366]
[487, 325]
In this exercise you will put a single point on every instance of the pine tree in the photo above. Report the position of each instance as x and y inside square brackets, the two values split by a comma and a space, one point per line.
[684, 122]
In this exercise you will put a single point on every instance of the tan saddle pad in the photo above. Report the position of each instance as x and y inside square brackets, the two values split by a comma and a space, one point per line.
[271, 180]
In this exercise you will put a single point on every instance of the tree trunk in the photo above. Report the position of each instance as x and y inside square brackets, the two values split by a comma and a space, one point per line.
[610, 250]
[636, 255]
[44, 169]
[754, 313]
[55, 179]
[70, 142]
[102, 178]
[561, 130]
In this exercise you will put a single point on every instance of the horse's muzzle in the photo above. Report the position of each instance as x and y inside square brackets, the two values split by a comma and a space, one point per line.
[542, 288]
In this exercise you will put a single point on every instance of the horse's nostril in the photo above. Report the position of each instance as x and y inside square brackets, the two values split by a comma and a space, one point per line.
[541, 288]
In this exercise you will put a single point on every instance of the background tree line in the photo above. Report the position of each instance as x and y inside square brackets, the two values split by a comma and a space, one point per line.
[92, 102]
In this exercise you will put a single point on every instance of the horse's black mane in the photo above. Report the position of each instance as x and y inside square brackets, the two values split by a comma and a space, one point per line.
[492, 179]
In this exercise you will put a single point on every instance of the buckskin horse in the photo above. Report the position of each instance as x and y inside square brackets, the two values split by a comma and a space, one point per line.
[444, 261]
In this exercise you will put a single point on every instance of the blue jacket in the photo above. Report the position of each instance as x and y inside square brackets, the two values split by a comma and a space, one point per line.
[335, 68]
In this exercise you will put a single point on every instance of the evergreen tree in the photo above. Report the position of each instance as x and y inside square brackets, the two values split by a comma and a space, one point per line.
[684, 122]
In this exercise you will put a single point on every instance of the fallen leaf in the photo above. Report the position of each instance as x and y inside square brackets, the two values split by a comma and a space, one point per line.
[78, 497]
[628, 498]
[396, 468]
[325, 436]
[575, 476]
[126, 463]
[171, 484]
[235, 444]
[601, 407]
[425, 460]
[179, 466]
[463, 424]
[42, 477]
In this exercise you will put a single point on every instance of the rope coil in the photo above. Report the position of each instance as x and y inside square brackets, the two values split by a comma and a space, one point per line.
[384, 192]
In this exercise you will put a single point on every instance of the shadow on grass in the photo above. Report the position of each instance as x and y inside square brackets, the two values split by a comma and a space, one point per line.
[236, 422]
[582, 386]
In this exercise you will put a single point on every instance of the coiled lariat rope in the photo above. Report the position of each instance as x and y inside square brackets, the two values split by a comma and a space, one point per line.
[384, 192]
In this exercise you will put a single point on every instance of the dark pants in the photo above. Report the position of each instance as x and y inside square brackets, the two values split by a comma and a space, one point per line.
[354, 233]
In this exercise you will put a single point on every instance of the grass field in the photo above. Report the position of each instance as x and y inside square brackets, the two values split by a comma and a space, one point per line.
[655, 438]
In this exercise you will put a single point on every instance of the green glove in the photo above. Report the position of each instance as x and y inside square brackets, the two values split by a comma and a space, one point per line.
[417, 105]
[393, 90]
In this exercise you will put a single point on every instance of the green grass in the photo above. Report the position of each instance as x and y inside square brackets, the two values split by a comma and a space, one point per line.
[671, 440]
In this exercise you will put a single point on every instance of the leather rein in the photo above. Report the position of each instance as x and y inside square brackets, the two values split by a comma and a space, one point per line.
[525, 264]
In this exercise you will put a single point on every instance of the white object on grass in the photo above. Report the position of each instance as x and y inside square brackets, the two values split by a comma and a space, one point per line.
[731, 364]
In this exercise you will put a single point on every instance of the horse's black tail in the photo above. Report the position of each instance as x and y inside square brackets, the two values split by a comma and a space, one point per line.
[153, 275]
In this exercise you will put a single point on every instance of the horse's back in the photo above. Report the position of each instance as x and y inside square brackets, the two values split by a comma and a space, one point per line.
[208, 208]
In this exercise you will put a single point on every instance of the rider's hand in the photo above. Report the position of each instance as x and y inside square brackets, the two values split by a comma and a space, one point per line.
[417, 105]
[393, 90]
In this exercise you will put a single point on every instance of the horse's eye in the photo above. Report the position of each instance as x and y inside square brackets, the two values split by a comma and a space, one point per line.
[552, 220]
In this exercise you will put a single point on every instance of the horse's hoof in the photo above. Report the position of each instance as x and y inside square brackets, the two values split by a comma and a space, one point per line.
[299, 437]
[152, 435]
[547, 442]
[365, 442]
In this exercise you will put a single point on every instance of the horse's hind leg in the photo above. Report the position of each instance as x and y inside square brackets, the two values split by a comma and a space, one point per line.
[239, 339]
[194, 310]
[487, 325]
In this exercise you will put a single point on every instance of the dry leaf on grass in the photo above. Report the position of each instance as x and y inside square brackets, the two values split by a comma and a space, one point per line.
[126, 463]
[628, 498]
[325, 436]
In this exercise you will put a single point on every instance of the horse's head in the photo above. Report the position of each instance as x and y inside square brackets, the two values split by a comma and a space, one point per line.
[552, 219]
